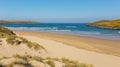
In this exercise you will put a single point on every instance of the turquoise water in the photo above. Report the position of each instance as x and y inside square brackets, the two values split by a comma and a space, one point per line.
[79, 29]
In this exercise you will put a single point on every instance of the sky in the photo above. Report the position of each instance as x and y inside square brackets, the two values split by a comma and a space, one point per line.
[60, 10]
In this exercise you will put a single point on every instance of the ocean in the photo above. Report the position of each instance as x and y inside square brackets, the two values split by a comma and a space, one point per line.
[78, 29]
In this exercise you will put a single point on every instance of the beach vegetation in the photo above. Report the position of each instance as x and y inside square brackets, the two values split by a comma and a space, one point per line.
[37, 58]
[0, 42]
[6, 31]
[13, 39]
[30, 44]
[51, 63]
[72, 63]
[24, 61]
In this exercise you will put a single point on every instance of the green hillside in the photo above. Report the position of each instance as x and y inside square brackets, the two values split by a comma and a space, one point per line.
[17, 22]
[107, 24]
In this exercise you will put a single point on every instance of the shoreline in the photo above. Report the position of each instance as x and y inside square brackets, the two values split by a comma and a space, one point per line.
[99, 45]
[52, 33]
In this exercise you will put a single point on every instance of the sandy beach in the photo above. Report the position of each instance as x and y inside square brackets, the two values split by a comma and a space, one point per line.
[111, 47]
[60, 33]
[99, 52]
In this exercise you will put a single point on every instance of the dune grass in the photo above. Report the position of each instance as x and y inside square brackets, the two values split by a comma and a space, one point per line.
[7, 31]
[0, 42]
[13, 39]
[16, 40]
[25, 61]
[51, 63]
[71, 63]
[30, 44]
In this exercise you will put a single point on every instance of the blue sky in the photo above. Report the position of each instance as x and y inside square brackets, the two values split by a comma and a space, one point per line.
[59, 10]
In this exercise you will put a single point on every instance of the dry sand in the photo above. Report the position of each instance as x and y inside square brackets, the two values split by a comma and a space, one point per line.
[59, 45]
[111, 47]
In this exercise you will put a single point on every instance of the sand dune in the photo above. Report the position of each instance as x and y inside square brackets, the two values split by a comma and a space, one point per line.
[26, 51]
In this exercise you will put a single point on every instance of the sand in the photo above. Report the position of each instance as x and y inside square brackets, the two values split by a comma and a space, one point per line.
[99, 52]
[111, 47]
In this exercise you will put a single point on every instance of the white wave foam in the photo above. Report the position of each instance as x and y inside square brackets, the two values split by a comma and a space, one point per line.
[91, 32]
[54, 29]
[71, 26]
[60, 30]
[32, 28]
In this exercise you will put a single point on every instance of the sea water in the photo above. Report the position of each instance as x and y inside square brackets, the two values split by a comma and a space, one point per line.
[78, 29]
